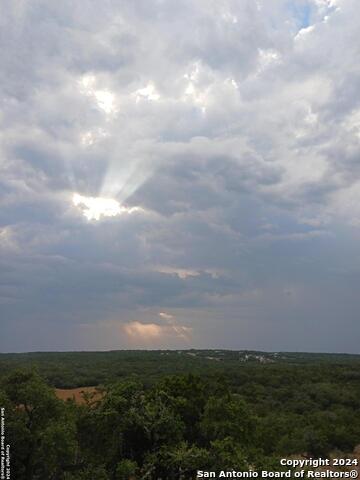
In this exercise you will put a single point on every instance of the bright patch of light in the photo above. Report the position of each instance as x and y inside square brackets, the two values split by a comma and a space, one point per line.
[197, 88]
[87, 82]
[148, 93]
[104, 98]
[143, 330]
[267, 57]
[89, 138]
[148, 332]
[234, 83]
[190, 89]
[196, 96]
[93, 208]
[303, 32]
[182, 273]
[194, 73]
[7, 239]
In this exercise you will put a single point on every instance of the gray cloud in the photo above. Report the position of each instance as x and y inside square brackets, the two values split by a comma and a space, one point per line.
[235, 126]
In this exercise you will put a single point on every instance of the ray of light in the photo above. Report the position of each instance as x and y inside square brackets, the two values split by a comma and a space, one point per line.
[125, 174]
[122, 181]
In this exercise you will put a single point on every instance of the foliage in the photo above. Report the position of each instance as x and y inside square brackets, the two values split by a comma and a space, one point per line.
[169, 427]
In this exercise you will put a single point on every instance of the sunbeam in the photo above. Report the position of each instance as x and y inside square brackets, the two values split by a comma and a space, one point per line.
[123, 179]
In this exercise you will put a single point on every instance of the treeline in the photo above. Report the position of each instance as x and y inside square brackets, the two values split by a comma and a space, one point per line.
[79, 369]
[180, 424]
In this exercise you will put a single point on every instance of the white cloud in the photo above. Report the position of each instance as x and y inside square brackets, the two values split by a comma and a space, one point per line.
[104, 98]
[91, 137]
[140, 334]
[304, 32]
[149, 93]
[166, 316]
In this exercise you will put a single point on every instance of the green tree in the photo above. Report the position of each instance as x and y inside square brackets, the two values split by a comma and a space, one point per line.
[41, 435]
[228, 416]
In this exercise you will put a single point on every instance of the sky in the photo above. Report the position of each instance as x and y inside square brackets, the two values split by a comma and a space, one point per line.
[180, 174]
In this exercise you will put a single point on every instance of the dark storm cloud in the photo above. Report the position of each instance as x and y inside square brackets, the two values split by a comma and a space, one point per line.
[235, 126]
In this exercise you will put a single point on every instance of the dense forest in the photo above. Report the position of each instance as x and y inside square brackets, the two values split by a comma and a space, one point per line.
[165, 415]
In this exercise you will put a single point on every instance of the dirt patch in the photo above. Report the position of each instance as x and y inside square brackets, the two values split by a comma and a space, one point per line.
[79, 394]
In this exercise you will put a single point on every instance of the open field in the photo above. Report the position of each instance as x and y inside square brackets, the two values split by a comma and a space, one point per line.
[77, 394]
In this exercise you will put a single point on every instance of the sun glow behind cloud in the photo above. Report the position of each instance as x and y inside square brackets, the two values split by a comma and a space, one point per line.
[93, 208]
[140, 333]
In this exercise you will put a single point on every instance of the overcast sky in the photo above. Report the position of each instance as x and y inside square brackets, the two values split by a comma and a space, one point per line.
[222, 138]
